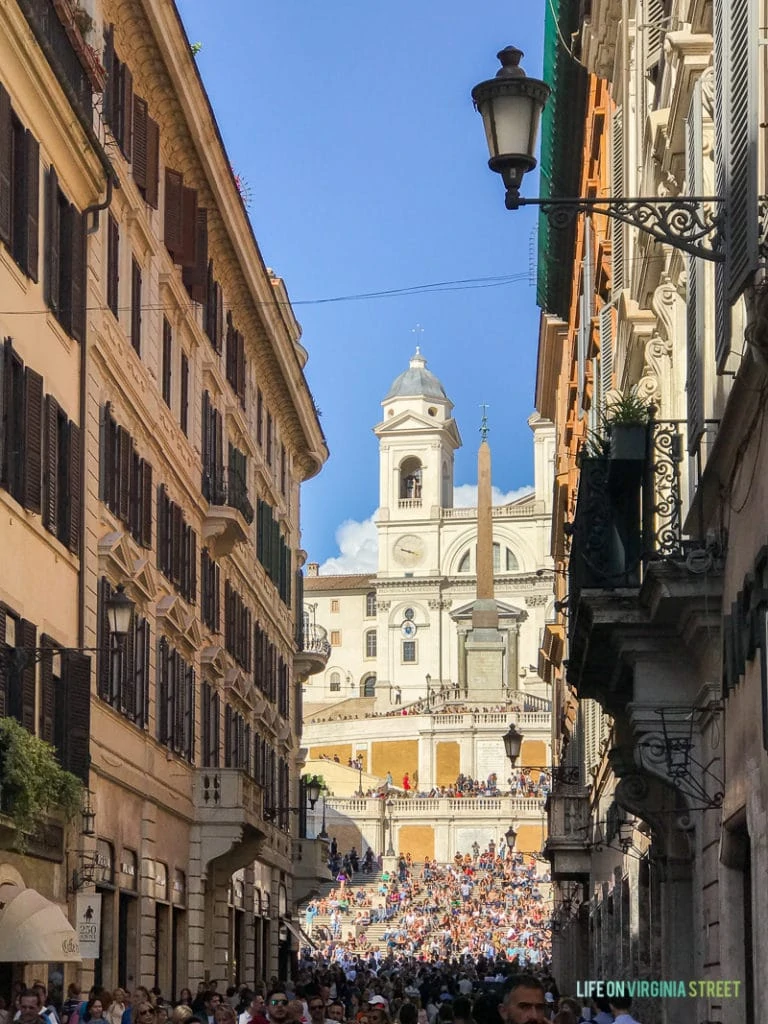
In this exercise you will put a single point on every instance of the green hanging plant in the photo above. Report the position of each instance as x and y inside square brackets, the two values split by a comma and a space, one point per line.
[32, 782]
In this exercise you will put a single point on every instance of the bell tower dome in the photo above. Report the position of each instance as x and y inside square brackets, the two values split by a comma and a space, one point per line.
[417, 441]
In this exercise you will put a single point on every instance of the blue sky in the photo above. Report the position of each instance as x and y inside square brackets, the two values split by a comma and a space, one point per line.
[352, 124]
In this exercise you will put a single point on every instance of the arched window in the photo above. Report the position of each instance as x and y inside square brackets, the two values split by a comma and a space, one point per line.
[370, 643]
[464, 565]
[410, 480]
[512, 564]
[335, 682]
[509, 562]
[369, 686]
[370, 604]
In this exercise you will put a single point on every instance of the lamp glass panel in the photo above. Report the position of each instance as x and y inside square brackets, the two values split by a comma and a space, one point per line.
[517, 120]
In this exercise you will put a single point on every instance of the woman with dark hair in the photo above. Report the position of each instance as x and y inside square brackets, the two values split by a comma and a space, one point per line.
[94, 1010]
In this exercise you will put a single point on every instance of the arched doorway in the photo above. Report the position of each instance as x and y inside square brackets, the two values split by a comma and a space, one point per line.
[369, 686]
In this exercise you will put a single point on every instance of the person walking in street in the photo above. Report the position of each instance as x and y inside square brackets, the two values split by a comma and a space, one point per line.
[277, 1006]
[524, 1002]
[620, 1007]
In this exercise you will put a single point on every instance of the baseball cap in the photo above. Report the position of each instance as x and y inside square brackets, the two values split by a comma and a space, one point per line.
[378, 1001]
[549, 997]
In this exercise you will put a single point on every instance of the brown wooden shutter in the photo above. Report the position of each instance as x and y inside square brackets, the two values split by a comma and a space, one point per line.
[108, 60]
[192, 565]
[76, 686]
[167, 362]
[6, 165]
[188, 227]
[32, 197]
[46, 689]
[51, 464]
[104, 658]
[113, 264]
[75, 488]
[136, 306]
[229, 355]
[161, 528]
[178, 543]
[152, 190]
[52, 241]
[184, 405]
[196, 277]
[146, 505]
[28, 632]
[33, 440]
[124, 470]
[126, 96]
[140, 142]
[78, 273]
[241, 368]
[174, 186]
[128, 666]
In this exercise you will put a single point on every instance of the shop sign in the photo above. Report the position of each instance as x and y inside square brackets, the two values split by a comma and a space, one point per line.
[128, 873]
[88, 924]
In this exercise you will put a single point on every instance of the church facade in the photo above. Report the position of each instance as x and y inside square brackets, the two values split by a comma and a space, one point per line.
[399, 635]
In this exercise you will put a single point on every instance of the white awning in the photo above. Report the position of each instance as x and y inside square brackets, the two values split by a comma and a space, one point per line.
[34, 930]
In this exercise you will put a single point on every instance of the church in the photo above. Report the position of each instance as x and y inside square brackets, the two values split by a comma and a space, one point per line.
[400, 635]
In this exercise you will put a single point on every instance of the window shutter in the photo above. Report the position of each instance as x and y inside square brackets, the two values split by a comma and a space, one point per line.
[32, 197]
[140, 142]
[124, 470]
[51, 269]
[184, 388]
[167, 361]
[126, 109]
[76, 685]
[241, 368]
[585, 316]
[113, 264]
[33, 439]
[104, 655]
[51, 464]
[145, 649]
[618, 233]
[192, 565]
[152, 187]
[6, 165]
[736, 100]
[228, 731]
[108, 102]
[128, 666]
[196, 277]
[695, 308]
[654, 25]
[230, 361]
[78, 271]
[174, 185]
[188, 227]
[28, 632]
[162, 690]
[219, 321]
[605, 325]
[46, 689]
[136, 306]
[177, 529]
[146, 504]
[75, 488]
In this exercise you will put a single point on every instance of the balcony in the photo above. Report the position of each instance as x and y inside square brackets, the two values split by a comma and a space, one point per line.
[409, 503]
[229, 814]
[310, 868]
[313, 653]
[638, 586]
[230, 513]
[74, 62]
[567, 845]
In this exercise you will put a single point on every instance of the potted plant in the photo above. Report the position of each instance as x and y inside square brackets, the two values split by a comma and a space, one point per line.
[626, 421]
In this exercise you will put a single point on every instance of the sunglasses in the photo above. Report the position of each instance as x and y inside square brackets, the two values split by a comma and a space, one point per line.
[278, 1002]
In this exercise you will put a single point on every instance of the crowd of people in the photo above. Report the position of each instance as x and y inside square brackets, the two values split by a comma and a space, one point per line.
[343, 986]
[487, 903]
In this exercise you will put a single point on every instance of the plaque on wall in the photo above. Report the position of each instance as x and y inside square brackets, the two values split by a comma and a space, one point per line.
[129, 876]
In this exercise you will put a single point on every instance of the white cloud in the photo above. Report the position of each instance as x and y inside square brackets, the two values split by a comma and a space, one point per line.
[465, 495]
[358, 546]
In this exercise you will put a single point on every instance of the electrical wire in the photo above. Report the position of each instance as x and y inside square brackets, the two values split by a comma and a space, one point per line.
[466, 284]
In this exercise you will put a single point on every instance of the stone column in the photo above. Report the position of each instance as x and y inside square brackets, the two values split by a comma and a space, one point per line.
[196, 931]
[484, 527]
[248, 968]
[462, 666]
[677, 927]
[217, 907]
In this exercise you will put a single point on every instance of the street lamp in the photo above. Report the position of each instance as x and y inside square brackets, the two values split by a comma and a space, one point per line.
[511, 836]
[313, 790]
[391, 847]
[511, 105]
[513, 741]
[119, 613]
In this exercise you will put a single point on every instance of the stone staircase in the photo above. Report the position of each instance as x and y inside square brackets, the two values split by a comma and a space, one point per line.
[368, 884]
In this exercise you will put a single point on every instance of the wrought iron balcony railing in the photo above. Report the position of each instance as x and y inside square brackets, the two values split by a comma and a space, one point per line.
[226, 486]
[314, 640]
[60, 53]
[629, 512]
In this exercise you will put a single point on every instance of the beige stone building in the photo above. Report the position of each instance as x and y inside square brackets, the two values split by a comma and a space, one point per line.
[156, 439]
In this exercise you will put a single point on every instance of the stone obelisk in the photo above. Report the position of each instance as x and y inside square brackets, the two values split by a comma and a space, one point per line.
[485, 644]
